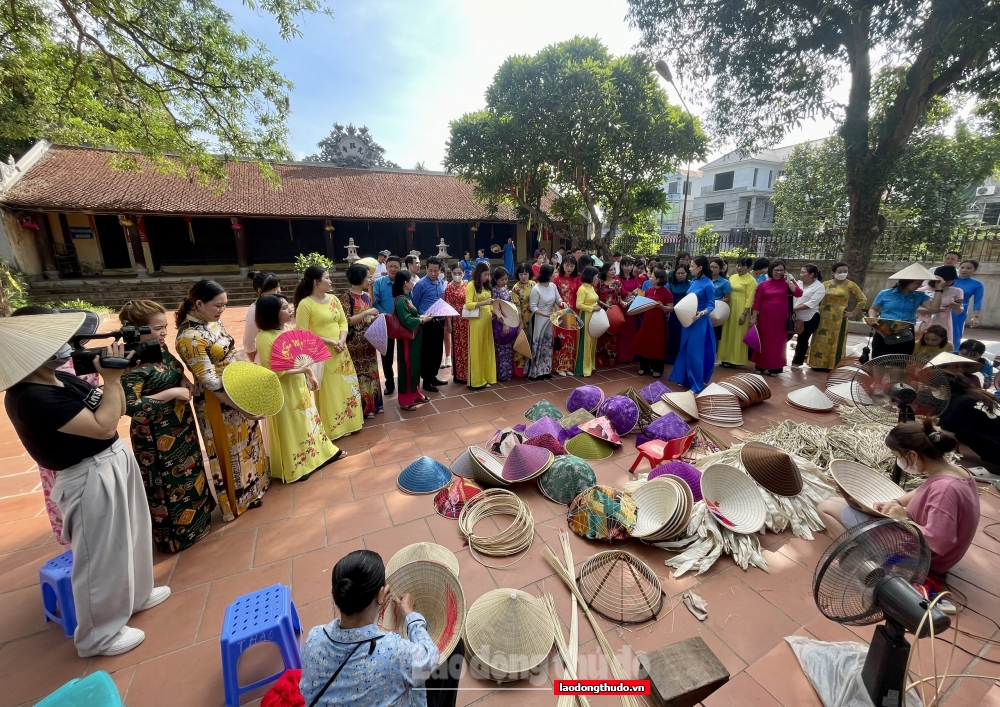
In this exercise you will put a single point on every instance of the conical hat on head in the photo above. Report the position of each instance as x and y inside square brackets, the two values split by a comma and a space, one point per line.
[913, 272]
[686, 309]
[29, 341]
[954, 362]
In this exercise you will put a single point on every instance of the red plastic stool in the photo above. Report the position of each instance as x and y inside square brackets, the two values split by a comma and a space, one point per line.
[657, 451]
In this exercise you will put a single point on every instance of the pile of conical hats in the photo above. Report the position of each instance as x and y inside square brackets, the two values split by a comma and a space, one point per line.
[810, 399]
[749, 388]
[719, 406]
[772, 468]
[663, 508]
[683, 403]
[487, 469]
[733, 498]
[841, 387]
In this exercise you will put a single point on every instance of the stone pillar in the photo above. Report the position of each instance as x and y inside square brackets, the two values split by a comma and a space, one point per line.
[242, 257]
[134, 244]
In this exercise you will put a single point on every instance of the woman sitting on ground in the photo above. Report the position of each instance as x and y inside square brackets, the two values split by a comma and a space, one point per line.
[945, 506]
[350, 660]
[932, 342]
[973, 416]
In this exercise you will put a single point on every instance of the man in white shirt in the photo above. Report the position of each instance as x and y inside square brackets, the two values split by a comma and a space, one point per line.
[806, 310]
[617, 265]
[380, 268]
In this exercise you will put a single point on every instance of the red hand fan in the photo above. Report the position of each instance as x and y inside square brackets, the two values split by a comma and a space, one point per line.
[297, 348]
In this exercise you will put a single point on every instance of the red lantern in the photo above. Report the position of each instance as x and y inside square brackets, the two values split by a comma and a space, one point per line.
[28, 223]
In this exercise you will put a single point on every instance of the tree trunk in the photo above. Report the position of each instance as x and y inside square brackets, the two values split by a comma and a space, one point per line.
[863, 229]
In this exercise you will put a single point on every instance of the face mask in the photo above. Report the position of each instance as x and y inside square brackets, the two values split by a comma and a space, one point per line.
[60, 357]
[456, 278]
[905, 465]
[840, 275]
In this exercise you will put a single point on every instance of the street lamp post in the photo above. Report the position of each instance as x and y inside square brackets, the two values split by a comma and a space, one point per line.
[663, 70]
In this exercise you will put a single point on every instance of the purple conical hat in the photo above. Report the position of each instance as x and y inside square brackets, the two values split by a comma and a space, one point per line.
[668, 427]
[441, 309]
[683, 470]
[586, 397]
[622, 412]
[526, 462]
[545, 425]
[377, 334]
[653, 392]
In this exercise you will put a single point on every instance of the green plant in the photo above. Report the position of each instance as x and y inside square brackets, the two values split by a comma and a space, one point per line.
[735, 253]
[13, 289]
[303, 261]
[706, 240]
[80, 304]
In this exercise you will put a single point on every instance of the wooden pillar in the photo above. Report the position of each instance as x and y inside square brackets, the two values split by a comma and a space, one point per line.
[134, 243]
[46, 251]
[242, 258]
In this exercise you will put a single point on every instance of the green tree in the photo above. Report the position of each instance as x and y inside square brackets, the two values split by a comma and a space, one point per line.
[579, 120]
[154, 76]
[769, 64]
[420, 166]
[640, 235]
[329, 147]
[706, 240]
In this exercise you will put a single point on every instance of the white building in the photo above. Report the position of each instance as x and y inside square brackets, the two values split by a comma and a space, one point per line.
[985, 210]
[674, 187]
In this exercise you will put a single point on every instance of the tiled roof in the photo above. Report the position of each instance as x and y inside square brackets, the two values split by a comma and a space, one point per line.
[82, 179]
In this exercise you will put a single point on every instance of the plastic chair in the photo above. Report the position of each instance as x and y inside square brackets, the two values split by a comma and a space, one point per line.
[95, 690]
[657, 451]
[269, 616]
[56, 579]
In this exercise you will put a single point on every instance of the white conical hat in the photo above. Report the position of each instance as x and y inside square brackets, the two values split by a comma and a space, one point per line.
[29, 341]
[684, 402]
[913, 272]
[720, 314]
[686, 309]
[715, 389]
[953, 362]
[811, 397]
[508, 312]
[598, 324]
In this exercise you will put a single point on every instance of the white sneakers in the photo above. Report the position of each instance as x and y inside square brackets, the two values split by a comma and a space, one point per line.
[446, 362]
[128, 638]
[156, 597]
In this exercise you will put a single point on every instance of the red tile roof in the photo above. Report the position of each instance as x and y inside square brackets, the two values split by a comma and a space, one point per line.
[82, 179]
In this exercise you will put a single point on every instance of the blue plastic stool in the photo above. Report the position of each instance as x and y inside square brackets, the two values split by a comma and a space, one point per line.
[267, 615]
[56, 579]
[95, 690]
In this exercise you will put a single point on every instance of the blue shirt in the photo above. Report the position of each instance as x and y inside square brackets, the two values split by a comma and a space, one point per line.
[392, 671]
[467, 266]
[482, 260]
[896, 305]
[426, 292]
[382, 289]
[761, 277]
[702, 288]
[722, 287]
[646, 285]
[508, 258]
[971, 287]
[679, 289]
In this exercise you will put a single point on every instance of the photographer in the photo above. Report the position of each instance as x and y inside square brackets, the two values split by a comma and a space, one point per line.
[68, 425]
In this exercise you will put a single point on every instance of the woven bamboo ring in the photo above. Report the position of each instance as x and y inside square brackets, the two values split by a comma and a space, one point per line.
[515, 538]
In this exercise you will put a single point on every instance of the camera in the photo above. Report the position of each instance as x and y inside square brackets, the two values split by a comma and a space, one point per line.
[142, 351]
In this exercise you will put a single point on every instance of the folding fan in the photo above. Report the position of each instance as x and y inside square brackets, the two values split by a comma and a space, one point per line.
[296, 349]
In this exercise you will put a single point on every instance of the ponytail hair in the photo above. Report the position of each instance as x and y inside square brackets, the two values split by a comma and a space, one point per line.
[357, 579]
[312, 275]
[923, 438]
[138, 312]
[202, 291]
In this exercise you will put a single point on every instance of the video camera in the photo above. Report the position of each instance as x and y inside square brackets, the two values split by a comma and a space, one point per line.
[142, 351]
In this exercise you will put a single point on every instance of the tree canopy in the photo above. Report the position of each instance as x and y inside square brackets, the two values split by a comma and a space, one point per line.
[597, 129]
[153, 76]
[769, 64]
[329, 150]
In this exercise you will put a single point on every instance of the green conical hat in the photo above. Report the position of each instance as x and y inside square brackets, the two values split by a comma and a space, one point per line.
[589, 447]
[566, 479]
[543, 408]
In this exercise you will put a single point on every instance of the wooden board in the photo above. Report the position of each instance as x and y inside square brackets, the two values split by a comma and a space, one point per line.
[683, 673]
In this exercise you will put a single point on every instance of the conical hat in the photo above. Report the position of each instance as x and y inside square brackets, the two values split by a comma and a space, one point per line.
[450, 500]
[655, 503]
[462, 466]
[526, 462]
[547, 441]
[733, 498]
[378, 335]
[543, 408]
[684, 402]
[508, 633]
[641, 304]
[601, 513]
[772, 468]
[487, 470]
[621, 587]
[686, 309]
[576, 418]
[667, 427]
[954, 362]
[598, 324]
[545, 425]
[691, 475]
[522, 345]
[29, 341]
[601, 428]
[587, 397]
[616, 319]
[423, 551]
[372, 265]
[589, 447]
[913, 272]
[253, 388]
[811, 398]
[654, 391]
[441, 309]
[714, 389]
[567, 478]
[508, 312]
[424, 475]
[720, 314]
[622, 412]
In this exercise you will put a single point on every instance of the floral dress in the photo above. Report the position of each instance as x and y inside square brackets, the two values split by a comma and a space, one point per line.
[607, 345]
[564, 342]
[829, 342]
[165, 443]
[240, 468]
[363, 354]
[454, 294]
[504, 352]
[520, 295]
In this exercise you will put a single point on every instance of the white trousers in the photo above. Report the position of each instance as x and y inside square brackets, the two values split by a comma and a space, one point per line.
[106, 522]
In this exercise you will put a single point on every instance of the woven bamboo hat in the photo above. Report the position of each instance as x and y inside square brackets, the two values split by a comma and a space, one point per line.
[586, 397]
[566, 479]
[602, 513]
[437, 596]
[441, 309]
[566, 319]
[686, 309]
[253, 388]
[684, 403]
[655, 504]
[508, 312]
[646, 412]
[654, 391]
[616, 320]
[863, 487]
[450, 500]
[487, 470]
[547, 441]
[508, 633]
[503, 441]
[29, 341]
[526, 462]
[811, 399]
[545, 425]
[378, 335]
[422, 551]
[640, 304]
[576, 418]
[733, 498]
[622, 413]
[602, 429]
[720, 314]
[913, 272]
[589, 447]
[543, 408]
[598, 324]
[691, 475]
[667, 427]
[621, 587]
[772, 468]
[955, 363]
[424, 475]
[462, 466]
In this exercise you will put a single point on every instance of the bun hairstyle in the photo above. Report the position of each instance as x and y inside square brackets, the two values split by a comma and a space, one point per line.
[263, 281]
[946, 272]
[312, 275]
[138, 312]
[923, 438]
[203, 291]
[357, 274]
[357, 579]
[545, 273]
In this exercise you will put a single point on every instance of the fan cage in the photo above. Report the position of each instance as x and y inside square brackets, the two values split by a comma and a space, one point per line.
[875, 377]
[620, 587]
[846, 575]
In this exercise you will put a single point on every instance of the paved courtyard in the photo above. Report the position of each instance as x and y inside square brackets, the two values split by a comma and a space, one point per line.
[303, 529]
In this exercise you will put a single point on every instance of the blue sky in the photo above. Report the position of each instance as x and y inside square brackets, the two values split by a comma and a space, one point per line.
[405, 68]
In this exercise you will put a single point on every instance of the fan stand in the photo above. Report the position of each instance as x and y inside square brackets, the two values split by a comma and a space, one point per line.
[902, 395]
[885, 667]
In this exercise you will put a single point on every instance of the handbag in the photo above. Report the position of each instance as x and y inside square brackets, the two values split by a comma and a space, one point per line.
[395, 329]
[791, 325]
[471, 313]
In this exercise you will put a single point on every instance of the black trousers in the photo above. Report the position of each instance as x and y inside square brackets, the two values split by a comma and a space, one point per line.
[387, 363]
[442, 685]
[653, 365]
[802, 343]
[880, 348]
[431, 350]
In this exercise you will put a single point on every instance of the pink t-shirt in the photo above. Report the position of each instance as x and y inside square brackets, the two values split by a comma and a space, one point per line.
[947, 511]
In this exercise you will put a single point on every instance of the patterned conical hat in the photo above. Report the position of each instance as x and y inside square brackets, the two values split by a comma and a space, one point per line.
[622, 412]
[526, 462]
[587, 397]
[378, 335]
[545, 425]
[450, 500]
[547, 441]
[668, 427]
[602, 429]
[566, 479]
[654, 392]
[602, 513]
[543, 408]
[576, 418]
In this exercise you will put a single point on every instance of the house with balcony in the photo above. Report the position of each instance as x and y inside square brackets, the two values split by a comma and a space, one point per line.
[679, 211]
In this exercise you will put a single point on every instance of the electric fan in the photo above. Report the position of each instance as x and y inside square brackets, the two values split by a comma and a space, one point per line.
[866, 576]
